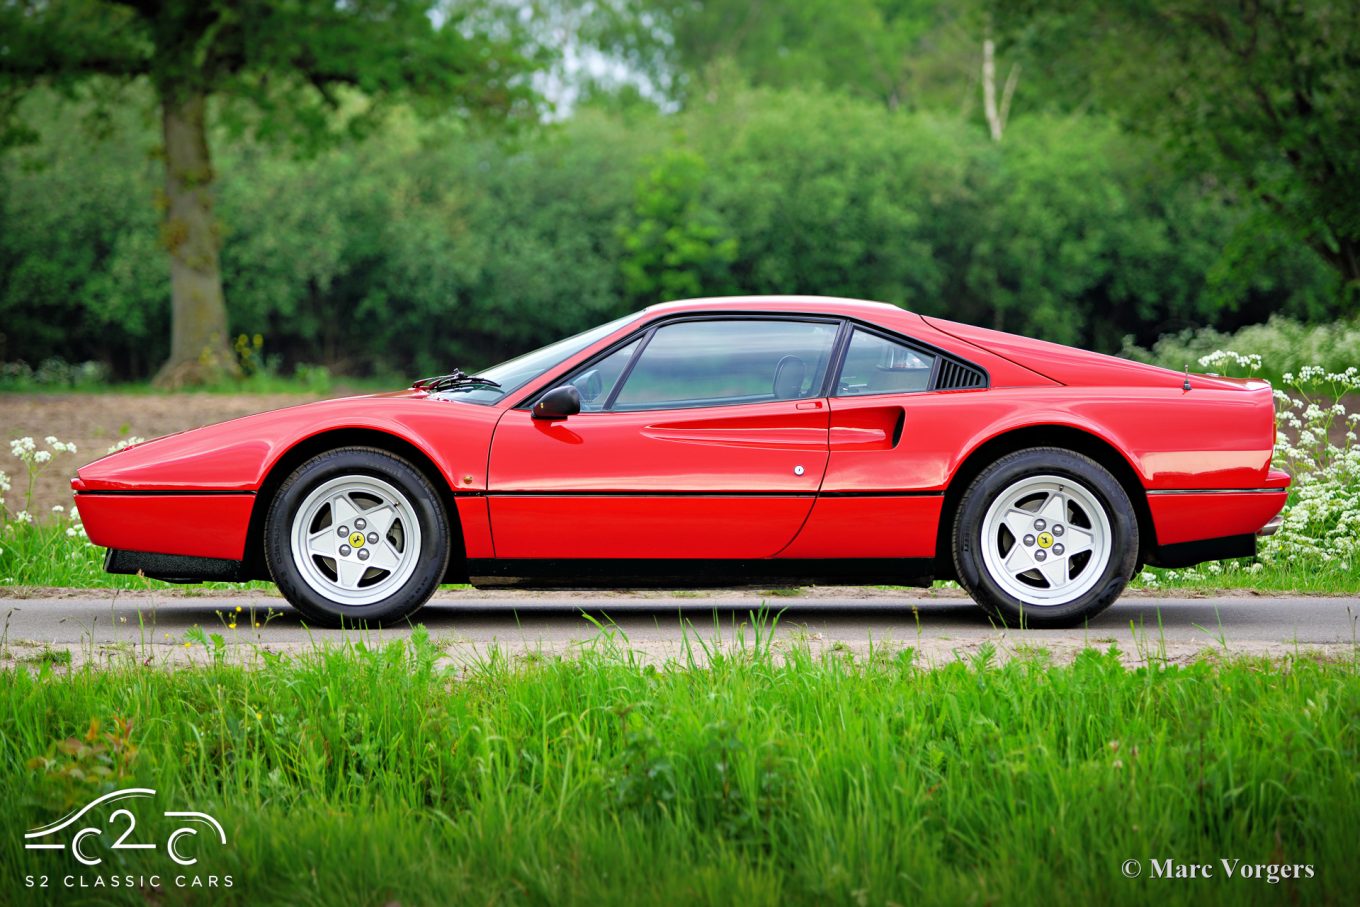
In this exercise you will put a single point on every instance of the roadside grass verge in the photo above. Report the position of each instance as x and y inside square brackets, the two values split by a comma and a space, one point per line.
[44, 555]
[58, 554]
[366, 772]
[1273, 577]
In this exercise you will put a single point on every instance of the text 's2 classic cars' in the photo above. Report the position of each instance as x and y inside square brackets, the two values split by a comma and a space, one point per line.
[712, 442]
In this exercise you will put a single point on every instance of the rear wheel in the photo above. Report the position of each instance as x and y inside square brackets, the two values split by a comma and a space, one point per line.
[357, 535]
[1045, 537]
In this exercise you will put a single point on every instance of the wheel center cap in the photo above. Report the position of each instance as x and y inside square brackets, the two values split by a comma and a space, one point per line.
[356, 539]
[1045, 540]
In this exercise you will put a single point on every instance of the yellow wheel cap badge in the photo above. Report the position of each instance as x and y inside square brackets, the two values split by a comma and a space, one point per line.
[1045, 540]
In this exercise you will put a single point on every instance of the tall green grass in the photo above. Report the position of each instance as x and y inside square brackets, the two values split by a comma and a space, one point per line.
[369, 773]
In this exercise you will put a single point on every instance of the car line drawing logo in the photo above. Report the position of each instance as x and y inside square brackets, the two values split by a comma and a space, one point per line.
[42, 838]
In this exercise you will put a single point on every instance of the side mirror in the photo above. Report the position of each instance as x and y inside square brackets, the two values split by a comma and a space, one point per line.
[558, 403]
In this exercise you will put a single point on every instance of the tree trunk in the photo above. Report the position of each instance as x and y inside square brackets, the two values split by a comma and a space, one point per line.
[996, 116]
[199, 349]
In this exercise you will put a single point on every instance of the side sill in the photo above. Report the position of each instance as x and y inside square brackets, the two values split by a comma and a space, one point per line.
[1187, 554]
[172, 568]
[630, 573]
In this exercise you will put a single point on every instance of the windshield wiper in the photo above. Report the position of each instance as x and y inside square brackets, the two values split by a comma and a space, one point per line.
[455, 378]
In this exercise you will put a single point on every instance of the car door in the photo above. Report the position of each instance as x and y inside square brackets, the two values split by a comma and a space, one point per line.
[702, 437]
[872, 503]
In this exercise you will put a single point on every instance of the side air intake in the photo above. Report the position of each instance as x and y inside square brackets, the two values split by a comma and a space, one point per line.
[955, 376]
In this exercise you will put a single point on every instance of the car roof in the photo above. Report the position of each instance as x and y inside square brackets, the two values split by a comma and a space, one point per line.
[829, 305]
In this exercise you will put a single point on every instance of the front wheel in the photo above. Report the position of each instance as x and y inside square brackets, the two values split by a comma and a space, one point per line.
[356, 535]
[1045, 537]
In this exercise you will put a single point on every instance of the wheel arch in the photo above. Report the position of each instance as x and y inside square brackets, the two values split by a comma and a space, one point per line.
[1066, 437]
[254, 566]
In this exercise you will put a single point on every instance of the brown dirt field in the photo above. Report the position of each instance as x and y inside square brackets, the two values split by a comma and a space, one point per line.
[96, 422]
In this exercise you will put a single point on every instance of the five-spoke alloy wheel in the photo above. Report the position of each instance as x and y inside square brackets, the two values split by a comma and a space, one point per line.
[1045, 537]
[357, 535]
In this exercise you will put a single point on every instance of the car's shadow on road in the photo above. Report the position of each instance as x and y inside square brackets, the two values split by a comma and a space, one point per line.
[526, 616]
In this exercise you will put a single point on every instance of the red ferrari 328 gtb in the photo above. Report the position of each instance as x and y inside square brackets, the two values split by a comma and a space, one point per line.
[715, 442]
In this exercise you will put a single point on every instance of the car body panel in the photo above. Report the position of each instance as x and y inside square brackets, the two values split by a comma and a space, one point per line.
[657, 483]
[820, 478]
[238, 455]
[1190, 516]
[904, 527]
[193, 525]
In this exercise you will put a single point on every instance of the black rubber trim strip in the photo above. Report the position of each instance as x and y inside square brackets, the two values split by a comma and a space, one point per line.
[1220, 491]
[162, 492]
[881, 494]
[650, 494]
[172, 568]
[623, 573]
[708, 494]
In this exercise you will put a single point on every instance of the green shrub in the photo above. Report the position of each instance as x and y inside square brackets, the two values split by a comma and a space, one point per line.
[1284, 345]
[429, 247]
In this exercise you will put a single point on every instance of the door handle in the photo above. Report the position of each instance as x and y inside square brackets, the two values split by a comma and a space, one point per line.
[808, 404]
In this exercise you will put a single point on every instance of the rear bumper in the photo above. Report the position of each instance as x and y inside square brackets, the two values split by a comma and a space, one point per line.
[169, 523]
[1180, 517]
[1272, 527]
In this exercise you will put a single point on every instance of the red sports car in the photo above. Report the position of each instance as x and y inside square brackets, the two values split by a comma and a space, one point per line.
[709, 442]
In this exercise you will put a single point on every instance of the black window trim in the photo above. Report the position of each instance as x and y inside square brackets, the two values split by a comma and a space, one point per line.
[839, 348]
[647, 332]
[939, 355]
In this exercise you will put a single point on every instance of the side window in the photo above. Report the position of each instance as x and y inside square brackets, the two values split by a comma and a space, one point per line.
[877, 365]
[596, 383]
[720, 362]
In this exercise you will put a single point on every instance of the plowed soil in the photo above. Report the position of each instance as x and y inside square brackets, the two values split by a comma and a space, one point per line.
[96, 422]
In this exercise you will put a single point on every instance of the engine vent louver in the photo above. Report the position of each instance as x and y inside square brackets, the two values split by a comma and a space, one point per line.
[955, 376]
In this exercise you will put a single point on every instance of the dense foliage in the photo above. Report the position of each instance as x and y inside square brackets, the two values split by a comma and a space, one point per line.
[428, 246]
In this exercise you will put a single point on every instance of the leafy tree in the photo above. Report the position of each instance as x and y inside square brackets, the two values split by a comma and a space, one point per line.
[1265, 94]
[300, 70]
[674, 246]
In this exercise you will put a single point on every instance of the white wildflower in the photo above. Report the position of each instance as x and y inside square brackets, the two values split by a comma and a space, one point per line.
[23, 516]
[126, 442]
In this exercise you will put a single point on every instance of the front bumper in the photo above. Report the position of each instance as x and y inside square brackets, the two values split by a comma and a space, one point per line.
[191, 524]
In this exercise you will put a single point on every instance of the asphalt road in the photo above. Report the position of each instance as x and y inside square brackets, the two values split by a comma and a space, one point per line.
[468, 624]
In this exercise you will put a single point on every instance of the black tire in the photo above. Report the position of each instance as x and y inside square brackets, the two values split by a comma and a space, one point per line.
[425, 509]
[994, 482]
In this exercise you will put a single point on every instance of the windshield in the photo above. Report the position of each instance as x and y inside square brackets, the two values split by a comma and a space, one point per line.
[517, 372]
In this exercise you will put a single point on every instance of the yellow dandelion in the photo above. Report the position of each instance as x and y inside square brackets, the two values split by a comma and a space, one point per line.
[259, 716]
[238, 609]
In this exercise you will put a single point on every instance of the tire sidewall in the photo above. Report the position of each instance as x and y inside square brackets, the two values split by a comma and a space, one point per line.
[991, 483]
[368, 463]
